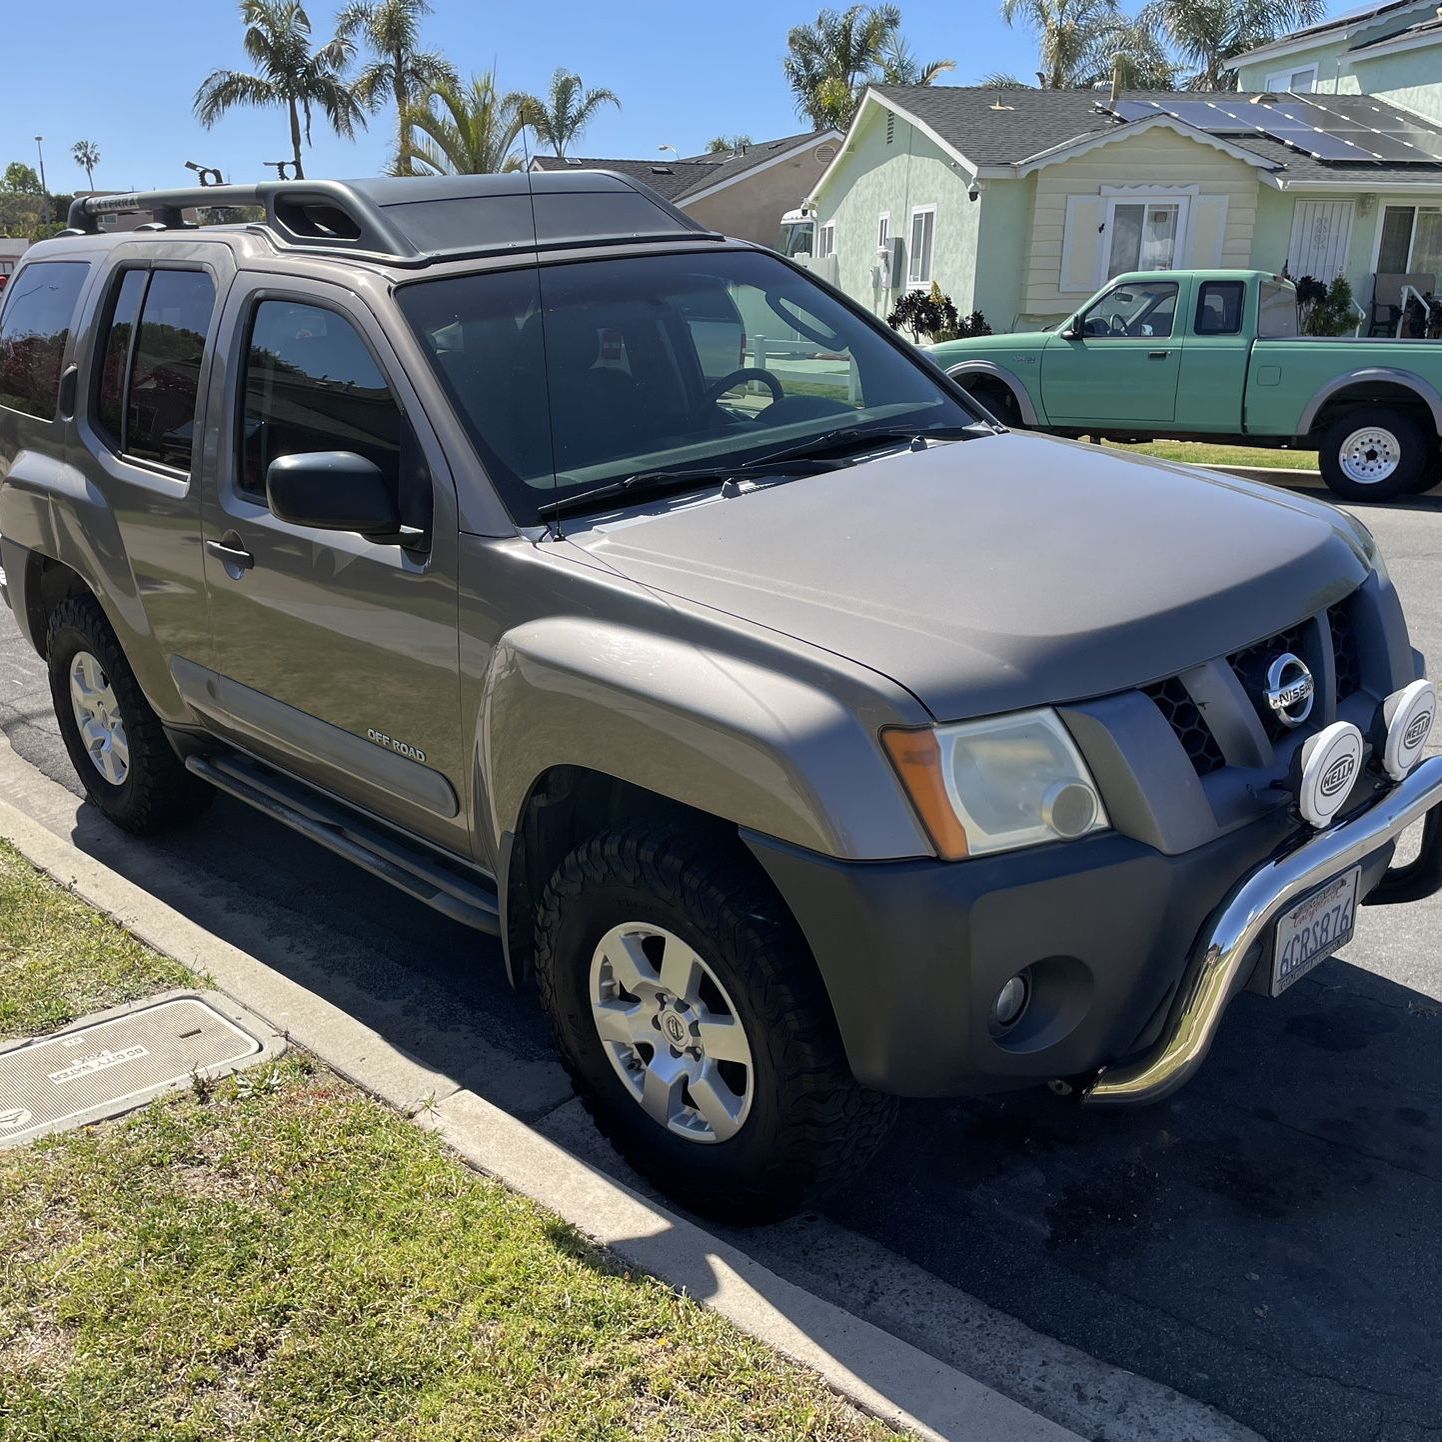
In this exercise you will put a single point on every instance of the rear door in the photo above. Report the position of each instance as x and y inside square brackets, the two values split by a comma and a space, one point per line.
[1120, 361]
[332, 655]
[1215, 353]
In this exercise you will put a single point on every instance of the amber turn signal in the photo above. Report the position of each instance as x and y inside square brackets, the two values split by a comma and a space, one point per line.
[917, 758]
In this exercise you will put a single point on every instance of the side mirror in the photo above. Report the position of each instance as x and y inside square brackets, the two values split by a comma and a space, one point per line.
[1071, 330]
[335, 491]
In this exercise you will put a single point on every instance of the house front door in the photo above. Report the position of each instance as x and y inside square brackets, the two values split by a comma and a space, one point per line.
[1321, 233]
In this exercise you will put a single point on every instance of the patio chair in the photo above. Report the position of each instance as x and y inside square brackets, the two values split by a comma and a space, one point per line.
[1387, 302]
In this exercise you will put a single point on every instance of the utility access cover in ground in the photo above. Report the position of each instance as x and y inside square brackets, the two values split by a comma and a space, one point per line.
[117, 1061]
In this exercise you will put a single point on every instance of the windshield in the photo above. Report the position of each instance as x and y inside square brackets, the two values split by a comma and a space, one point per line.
[572, 376]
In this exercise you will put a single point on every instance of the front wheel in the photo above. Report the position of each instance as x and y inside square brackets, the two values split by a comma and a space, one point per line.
[116, 742]
[693, 1022]
[1374, 453]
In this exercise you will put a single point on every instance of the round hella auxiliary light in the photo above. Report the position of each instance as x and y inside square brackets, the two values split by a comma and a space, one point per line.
[1330, 763]
[1407, 715]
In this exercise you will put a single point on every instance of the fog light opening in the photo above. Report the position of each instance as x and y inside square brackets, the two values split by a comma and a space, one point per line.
[1011, 1002]
[1407, 715]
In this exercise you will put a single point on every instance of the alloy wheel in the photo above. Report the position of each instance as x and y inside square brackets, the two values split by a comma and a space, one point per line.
[97, 714]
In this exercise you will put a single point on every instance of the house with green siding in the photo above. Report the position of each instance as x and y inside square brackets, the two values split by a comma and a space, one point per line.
[1021, 203]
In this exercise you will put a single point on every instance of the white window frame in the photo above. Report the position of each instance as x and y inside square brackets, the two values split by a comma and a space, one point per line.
[883, 229]
[826, 240]
[1416, 207]
[1179, 195]
[917, 282]
[1286, 76]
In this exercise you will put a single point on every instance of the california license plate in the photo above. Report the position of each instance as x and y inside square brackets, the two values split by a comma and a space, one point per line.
[1314, 928]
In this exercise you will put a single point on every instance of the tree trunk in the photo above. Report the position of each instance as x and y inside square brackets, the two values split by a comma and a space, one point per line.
[295, 140]
[403, 159]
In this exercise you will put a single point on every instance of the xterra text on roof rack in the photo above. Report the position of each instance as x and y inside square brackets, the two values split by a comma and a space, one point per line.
[808, 738]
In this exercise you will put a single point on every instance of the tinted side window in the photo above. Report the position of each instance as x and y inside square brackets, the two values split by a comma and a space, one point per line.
[165, 370]
[115, 362]
[1219, 307]
[311, 384]
[34, 328]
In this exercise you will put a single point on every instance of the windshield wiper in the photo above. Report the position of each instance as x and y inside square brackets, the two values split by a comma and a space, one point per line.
[871, 435]
[658, 482]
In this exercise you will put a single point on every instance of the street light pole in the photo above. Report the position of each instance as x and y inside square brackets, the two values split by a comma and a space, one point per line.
[44, 189]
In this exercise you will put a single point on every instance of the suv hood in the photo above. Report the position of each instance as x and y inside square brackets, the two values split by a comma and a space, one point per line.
[1009, 571]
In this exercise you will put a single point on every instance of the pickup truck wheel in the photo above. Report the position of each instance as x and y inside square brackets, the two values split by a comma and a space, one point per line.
[116, 742]
[1373, 453]
[696, 1029]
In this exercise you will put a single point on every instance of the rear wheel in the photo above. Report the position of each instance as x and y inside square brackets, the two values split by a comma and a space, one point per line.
[1374, 453]
[693, 1022]
[116, 742]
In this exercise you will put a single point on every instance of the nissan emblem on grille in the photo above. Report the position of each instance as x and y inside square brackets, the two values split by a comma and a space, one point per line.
[1290, 689]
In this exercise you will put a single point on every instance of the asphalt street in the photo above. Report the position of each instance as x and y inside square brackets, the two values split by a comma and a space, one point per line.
[1267, 1242]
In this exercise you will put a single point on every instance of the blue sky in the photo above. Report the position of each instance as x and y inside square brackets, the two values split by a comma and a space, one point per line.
[123, 73]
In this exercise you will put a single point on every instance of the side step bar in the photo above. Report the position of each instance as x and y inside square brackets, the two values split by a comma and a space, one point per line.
[467, 899]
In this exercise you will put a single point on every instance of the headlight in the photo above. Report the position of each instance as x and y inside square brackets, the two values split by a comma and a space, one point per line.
[995, 785]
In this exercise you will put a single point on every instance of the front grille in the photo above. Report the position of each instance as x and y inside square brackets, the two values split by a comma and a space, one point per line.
[1344, 649]
[1190, 726]
[1251, 664]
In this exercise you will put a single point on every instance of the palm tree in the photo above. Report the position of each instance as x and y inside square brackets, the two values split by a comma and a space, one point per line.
[87, 157]
[401, 71]
[277, 40]
[566, 111]
[464, 130]
[1208, 33]
[829, 64]
[1080, 41]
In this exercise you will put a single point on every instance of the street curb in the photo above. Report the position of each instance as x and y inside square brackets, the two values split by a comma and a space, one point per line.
[878, 1372]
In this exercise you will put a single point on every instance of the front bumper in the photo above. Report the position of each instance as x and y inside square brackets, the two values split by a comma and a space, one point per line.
[913, 953]
[1219, 964]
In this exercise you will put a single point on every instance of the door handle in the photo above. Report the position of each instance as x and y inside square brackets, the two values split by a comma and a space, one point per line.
[231, 555]
[1158, 354]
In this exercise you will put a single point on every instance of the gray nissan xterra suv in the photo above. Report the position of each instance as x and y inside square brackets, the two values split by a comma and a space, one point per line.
[808, 738]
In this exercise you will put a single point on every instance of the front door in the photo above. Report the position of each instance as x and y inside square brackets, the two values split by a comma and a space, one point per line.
[1118, 361]
[332, 655]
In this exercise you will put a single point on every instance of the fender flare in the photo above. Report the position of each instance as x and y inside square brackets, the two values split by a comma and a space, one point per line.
[1008, 378]
[1420, 386]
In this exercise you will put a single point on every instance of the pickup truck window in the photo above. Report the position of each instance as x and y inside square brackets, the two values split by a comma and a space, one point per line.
[312, 384]
[1219, 307]
[150, 374]
[576, 375]
[1140, 309]
[1278, 316]
[34, 328]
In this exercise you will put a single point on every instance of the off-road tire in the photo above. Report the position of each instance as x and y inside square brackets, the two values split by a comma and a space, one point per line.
[811, 1125]
[157, 791]
[1413, 462]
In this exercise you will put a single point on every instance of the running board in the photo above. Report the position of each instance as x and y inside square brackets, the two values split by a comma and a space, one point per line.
[419, 873]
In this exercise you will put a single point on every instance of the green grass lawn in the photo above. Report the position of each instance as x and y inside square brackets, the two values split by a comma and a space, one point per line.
[1203, 453]
[60, 959]
[278, 1258]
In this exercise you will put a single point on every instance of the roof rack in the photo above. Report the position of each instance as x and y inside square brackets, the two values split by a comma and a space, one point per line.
[415, 220]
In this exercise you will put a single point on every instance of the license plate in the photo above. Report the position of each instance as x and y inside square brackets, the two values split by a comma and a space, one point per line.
[1314, 928]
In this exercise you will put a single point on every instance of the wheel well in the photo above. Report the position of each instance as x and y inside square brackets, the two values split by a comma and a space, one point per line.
[1392, 394]
[994, 393]
[47, 584]
[566, 806]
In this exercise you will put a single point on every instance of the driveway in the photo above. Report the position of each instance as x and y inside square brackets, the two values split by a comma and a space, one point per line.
[1266, 1242]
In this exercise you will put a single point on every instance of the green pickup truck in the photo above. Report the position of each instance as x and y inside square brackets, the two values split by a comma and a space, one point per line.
[1217, 355]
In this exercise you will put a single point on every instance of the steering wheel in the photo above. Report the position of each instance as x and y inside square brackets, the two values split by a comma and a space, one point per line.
[1118, 323]
[717, 389]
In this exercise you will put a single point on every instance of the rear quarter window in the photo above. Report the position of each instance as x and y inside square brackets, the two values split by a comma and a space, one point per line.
[39, 310]
[1278, 315]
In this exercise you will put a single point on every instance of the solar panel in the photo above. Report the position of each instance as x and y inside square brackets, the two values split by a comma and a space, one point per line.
[1327, 127]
